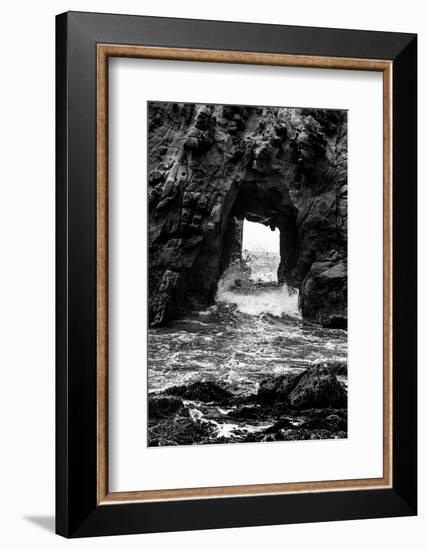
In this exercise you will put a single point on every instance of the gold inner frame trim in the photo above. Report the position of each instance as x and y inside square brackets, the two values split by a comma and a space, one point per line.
[104, 52]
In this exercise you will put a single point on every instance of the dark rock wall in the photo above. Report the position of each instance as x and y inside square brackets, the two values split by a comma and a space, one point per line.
[212, 165]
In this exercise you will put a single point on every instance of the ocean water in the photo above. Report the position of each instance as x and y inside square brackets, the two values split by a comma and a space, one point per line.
[253, 330]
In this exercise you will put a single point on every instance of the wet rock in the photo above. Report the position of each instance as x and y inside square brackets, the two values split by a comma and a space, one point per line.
[200, 391]
[313, 407]
[162, 407]
[156, 176]
[166, 297]
[180, 431]
[324, 413]
[323, 294]
[333, 320]
[283, 424]
[339, 368]
[247, 412]
[317, 387]
[332, 423]
[302, 434]
[278, 387]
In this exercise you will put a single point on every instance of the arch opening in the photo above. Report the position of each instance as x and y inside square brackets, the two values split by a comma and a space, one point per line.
[263, 219]
[260, 251]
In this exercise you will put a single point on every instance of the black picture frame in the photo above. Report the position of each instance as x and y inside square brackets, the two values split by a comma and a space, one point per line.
[77, 511]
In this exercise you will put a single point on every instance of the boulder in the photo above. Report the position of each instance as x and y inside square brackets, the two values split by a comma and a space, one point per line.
[163, 407]
[319, 388]
[324, 294]
[207, 391]
[316, 387]
[278, 387]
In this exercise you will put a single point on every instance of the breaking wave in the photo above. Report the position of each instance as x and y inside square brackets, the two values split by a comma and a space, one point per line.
[251, 286]
[275, 301]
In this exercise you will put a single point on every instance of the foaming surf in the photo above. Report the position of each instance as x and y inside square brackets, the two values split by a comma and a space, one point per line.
[254, 290]
[253, 330]
[277, 302]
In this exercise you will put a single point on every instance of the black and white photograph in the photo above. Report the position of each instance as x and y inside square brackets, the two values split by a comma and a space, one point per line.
[212, 289]
[247, 261]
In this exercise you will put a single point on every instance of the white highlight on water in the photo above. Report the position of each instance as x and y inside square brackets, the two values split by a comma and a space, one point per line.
[239, 286]
[274, 301]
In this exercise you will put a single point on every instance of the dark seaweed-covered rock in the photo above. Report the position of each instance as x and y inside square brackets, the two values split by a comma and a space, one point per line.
[310, 424]
[162, 407]
[180, 431]
[300, 434]
[200, 391]
[247, 413]
[283, 424]
[324, 413]
[332, 422]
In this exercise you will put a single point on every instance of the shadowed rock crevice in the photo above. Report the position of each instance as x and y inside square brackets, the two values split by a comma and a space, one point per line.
[211, 166]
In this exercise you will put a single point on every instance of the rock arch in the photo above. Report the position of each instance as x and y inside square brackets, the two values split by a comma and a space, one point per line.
[212, 165]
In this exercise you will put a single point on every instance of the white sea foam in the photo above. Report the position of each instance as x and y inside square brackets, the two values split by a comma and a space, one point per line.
[263, 265]
[237, 287]
[275, 301]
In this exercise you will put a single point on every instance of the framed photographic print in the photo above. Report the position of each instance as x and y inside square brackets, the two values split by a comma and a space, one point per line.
[236, 274]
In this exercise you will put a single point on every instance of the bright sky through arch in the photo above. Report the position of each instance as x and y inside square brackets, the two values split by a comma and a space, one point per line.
[259, 237]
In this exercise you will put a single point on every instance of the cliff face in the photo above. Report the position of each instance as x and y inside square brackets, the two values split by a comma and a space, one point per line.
[211, 166]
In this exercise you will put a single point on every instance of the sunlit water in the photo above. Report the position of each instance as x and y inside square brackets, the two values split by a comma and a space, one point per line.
[253, 330]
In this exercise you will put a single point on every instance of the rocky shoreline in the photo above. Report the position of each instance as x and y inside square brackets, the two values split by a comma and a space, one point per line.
[299, 405]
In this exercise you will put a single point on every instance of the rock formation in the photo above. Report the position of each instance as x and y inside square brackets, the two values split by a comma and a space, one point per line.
[303, 404]
[211, 166]
[314, 387]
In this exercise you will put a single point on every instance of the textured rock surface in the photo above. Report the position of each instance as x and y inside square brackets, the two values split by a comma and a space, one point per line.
[162, 407]
[310, 404]
[211, 166]
[200, 391]
[316, 387]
